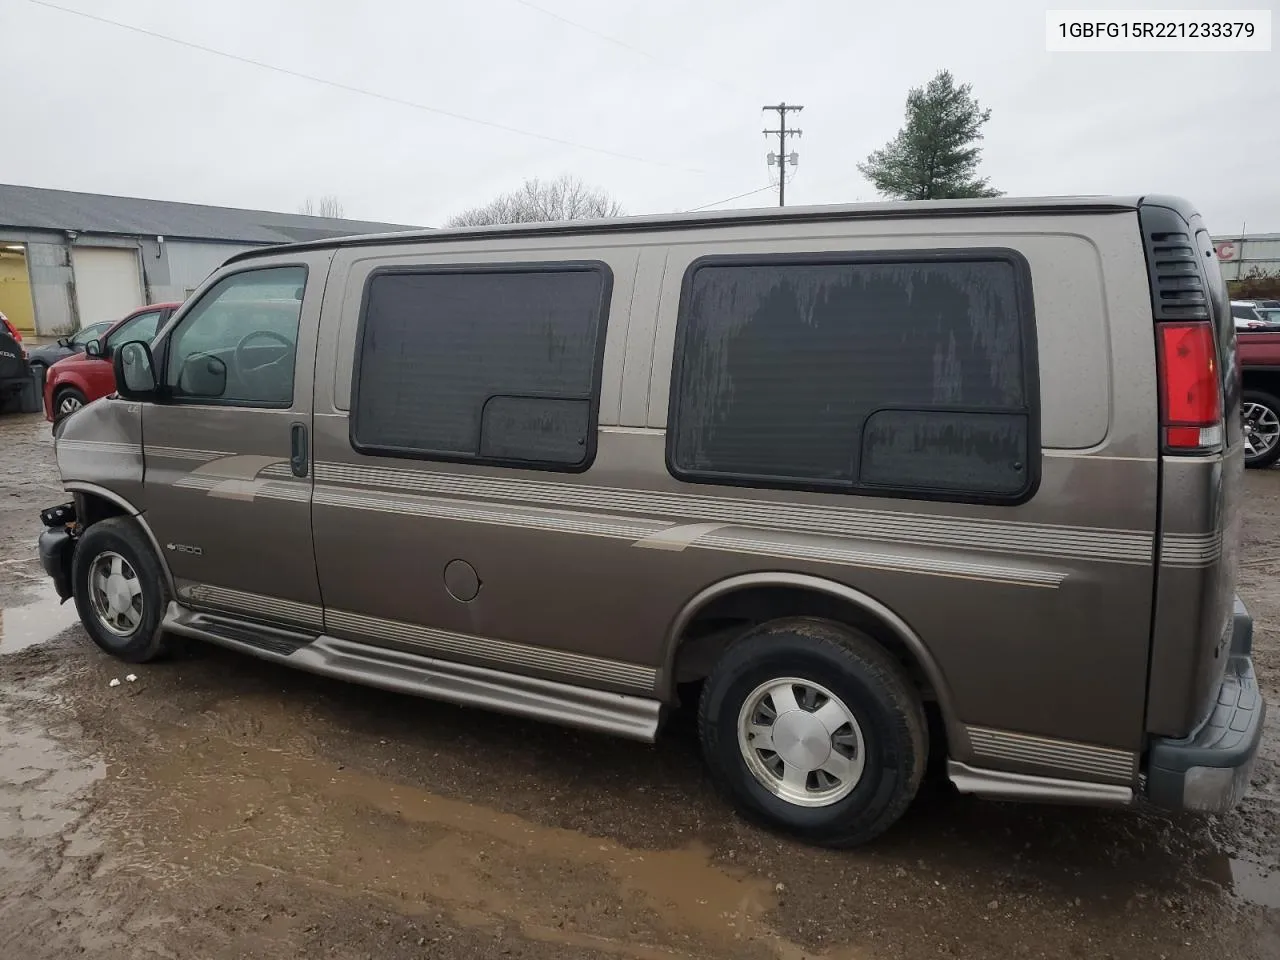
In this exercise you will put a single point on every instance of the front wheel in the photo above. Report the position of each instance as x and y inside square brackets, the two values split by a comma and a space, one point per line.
[66, 402]
[811, 727]
[1261, 414]
[120, 590]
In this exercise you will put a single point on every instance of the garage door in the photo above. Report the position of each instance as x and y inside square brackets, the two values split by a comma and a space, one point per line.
[107, 283]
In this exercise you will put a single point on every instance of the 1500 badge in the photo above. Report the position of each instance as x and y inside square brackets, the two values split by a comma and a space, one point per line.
[184, 548]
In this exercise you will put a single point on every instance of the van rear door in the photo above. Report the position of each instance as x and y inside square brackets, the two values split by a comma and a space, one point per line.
[1201, 467]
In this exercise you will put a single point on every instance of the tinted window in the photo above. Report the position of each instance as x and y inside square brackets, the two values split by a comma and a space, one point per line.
[238, 343]
[874, 376]
[1242, 311]
[490, 365]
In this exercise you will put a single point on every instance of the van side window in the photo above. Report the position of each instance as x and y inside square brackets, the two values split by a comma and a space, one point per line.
[910, 374]
[238, 344]
[482, 364]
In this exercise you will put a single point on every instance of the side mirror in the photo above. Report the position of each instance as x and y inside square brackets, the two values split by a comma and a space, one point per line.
[64, 341]
[202, 375]
[135, 371]
[94, 348]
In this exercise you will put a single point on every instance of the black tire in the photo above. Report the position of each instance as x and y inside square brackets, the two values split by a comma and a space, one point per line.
[1273, 405]
[62, 395]
[873, 687]
[123, 537]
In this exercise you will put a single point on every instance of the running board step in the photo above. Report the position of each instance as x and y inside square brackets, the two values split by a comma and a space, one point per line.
[1000, 785]
[635, 718]
[262, 638]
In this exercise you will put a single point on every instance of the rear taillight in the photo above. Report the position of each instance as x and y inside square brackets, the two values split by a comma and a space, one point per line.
[1190, 389]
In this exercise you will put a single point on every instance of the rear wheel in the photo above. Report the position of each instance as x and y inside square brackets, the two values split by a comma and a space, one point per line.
[120, 590]
[812, 728]
[1261, 413]
[67, 401]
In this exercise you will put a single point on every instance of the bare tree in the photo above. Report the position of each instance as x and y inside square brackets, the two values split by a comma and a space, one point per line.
[537, 201]
[329, 206]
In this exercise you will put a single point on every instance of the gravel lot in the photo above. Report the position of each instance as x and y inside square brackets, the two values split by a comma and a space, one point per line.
[223, 807]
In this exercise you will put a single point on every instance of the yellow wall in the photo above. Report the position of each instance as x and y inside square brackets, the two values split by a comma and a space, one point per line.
[15, 291]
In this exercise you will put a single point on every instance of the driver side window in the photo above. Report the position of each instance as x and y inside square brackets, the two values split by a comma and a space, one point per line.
[238, 344]
[141, 327]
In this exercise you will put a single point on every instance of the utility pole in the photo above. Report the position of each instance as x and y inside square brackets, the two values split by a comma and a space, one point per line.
[782, 159]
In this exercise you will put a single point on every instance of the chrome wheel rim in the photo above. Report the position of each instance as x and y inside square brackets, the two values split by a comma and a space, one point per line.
[1261, 429]
[801, 742]
[115, 593]
[69, 405]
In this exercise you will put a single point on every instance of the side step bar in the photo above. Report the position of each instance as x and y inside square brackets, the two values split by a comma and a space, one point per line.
[1000, 785]
[635, 718]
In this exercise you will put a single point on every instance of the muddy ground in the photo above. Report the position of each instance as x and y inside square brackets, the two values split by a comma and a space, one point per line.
[222, 807]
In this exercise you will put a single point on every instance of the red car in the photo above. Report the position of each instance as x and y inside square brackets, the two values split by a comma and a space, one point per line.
[6, 326]
[80, 379]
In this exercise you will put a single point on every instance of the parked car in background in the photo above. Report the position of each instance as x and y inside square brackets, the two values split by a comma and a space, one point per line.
[1270, 311]
[81, 378]
[7, 327]
[1258, 353]
[1247, 316]
[14, 373]
[49, 354]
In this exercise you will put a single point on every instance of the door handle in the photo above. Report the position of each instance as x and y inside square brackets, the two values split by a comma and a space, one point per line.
[298, 459]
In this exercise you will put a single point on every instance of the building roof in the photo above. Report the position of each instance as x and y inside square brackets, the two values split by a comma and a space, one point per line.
[887, 210]
[35, 208]
[1246, 237]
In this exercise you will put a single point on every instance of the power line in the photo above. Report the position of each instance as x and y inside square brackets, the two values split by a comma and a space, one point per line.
[783, 159]
[713, 203]
[596, 33]
[349, 88]
[654, 58]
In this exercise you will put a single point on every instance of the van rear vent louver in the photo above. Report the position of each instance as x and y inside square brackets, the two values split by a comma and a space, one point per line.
[1173, 266]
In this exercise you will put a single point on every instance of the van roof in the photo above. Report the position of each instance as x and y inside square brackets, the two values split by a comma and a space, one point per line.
[888, 210]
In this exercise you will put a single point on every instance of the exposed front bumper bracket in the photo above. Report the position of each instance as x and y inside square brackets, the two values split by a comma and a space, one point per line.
[56, 545]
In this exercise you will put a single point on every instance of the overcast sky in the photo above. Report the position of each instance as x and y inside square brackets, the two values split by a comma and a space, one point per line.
[90, 106]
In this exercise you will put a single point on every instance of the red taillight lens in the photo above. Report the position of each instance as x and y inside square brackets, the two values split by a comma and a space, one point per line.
[1190, 394]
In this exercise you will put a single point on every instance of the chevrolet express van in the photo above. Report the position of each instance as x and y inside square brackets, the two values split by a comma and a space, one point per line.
[829, 470]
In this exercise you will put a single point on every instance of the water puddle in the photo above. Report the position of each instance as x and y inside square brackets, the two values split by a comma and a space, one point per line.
[43, 786]
[217, 807]
[1256, 884]
[35, 621]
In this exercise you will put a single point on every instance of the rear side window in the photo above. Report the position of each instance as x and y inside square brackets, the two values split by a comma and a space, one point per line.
[896, 374]
[486, 364]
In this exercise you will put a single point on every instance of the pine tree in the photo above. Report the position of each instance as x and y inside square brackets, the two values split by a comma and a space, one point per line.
[935, 155]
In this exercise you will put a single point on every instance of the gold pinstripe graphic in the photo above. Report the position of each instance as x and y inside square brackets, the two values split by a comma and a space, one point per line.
[1009, 536]
[1190, 549]
[640, 533]
[605, 511]
[98, 446]
[254, 604]
[182, 453]
[861, 557]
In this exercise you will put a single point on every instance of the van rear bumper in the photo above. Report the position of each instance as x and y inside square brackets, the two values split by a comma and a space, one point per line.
[1209, 771]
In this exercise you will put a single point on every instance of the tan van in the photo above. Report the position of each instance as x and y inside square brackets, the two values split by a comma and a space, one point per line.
[867, 481]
